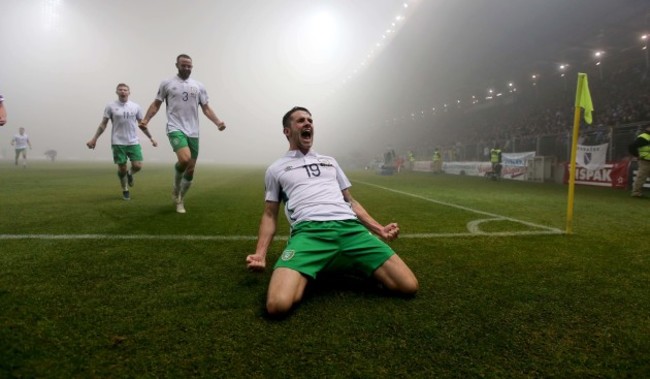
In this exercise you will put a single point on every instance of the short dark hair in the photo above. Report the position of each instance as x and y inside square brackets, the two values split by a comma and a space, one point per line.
[122, 85]
[182, 56]
[286, 119]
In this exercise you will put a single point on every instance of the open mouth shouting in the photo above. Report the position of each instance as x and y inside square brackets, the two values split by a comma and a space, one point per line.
[306, 134]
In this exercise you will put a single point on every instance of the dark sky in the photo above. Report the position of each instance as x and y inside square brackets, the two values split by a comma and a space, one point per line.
[456, 48]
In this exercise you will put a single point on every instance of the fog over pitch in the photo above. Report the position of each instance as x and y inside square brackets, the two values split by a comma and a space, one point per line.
[355, 64]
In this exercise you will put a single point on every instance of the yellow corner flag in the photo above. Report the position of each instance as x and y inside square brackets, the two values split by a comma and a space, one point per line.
[583, 97]
[583, 100]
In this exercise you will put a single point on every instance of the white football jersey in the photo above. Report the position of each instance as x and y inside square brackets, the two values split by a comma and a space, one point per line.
[21, 141]
[182, 98]
[124, 118]
[310, 186]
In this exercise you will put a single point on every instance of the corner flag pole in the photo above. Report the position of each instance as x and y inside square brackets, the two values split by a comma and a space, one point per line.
[583, 100]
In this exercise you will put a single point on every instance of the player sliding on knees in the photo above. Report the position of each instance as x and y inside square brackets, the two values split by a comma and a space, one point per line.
[329, 228]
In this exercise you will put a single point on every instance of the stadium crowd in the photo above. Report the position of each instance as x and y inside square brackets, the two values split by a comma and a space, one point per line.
[516, 121]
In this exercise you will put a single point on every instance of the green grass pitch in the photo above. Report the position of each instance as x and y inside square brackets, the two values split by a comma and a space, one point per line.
[95, 286]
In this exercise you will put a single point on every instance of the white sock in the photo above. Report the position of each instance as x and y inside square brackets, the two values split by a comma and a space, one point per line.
[123, 182]
[185, 186]
[177, 180]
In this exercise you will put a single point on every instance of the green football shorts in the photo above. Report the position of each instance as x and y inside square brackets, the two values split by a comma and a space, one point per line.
[327, 246]
[122, 153]
[179, 140]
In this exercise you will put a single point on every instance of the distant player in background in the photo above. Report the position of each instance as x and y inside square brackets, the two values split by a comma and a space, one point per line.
[183, 96]
[3, 111]
[330, 230]
[21, 142]
[124, 116]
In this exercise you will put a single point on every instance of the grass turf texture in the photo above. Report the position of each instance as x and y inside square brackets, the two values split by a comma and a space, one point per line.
[158, 306]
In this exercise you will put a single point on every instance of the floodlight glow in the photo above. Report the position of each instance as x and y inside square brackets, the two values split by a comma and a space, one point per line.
[322, 29]
[50, 12]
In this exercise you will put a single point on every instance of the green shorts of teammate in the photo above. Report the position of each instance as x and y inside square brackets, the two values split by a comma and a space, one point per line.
[329, 246]
[122, 153]
[179, 140]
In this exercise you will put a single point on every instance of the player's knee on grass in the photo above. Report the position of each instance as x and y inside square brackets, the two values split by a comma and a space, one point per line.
[279, 305]
[396, 276]
[285, 289]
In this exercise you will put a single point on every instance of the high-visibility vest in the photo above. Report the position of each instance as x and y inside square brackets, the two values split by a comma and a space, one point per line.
[494, 155]
[436, 156]
[644, 151]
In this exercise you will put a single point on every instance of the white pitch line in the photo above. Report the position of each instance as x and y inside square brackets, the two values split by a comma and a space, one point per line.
[129, 237]
[249, 238]
[474, 230]
[253, 238]
[482, 234]
[473, 227]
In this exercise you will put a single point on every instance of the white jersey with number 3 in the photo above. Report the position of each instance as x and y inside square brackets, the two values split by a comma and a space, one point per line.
[183, 98]
[310, 186]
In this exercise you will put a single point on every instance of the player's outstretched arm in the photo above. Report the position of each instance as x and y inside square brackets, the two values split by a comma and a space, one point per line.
[209, 113]
[387, 233]
[153, 109]
[268, 225]
[100, 129]
[3, 114]
[147, 133]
